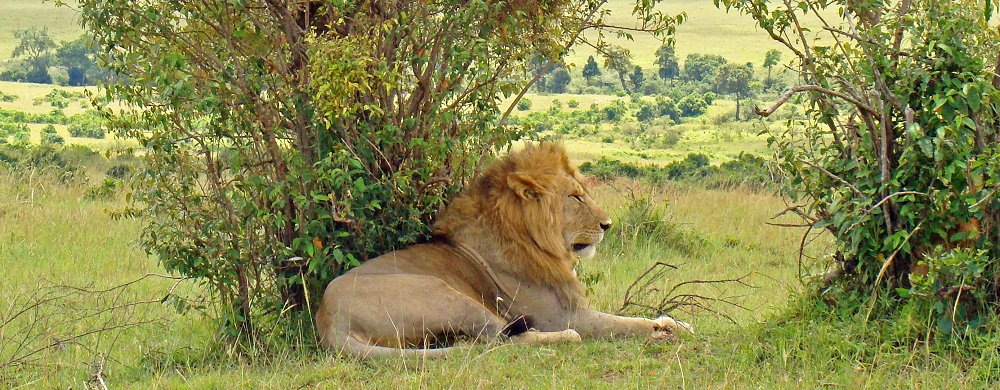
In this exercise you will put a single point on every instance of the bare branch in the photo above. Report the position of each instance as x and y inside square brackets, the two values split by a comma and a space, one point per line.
[815, 88]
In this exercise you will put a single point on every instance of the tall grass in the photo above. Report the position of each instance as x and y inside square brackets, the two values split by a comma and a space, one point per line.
[57, 235]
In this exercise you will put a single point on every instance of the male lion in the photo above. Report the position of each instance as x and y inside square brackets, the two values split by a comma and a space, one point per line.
[501, 263]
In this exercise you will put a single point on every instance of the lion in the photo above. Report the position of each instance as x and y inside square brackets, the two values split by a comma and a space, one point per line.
[499, 265]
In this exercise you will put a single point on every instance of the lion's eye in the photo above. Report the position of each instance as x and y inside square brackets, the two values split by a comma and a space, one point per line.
[577, 197]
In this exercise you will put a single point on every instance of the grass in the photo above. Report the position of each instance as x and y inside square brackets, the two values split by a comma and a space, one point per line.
[708, 30]
[49, 231]
[62, 22]
[27, 93]
[713, 133]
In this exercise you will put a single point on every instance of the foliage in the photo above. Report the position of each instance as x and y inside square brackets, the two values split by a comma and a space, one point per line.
[50, 137]
[637, 77]
[288, 142]
[771, 59]
[7, 98]
[667, 107]
[36, 46]
[646, 113]
[557, 82]
[899, 153]
[618, 60]
[666, 59]
[745, 170]
[56, 116]
[79, 59]
[956, 288]
[106, 190]
[572, 103]
[524, 104]
[59, 98]
[692, 105]
[88, 125]
[46, 159]
[591, 69]
[702, 67]
[734, 79]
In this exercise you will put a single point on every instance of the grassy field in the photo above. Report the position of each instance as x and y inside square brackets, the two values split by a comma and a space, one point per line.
[53, 232]
[62, 22]
[708, 30]
[50, 231]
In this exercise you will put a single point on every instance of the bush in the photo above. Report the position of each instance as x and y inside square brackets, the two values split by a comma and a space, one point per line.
[572, 103]
[107, 190]
[7, 98]
[692, 105]
[667, 107]
[87, 125]
[50, 136]
[956, 287]
[917, 169]
[119, 171]
[670, 138]
[524, 104]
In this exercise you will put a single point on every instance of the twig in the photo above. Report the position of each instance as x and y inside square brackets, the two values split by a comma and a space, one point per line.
[885, 266]
[643, 295]
[835, 177]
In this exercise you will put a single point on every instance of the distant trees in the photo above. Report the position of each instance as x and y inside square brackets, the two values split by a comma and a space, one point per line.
[556, 81]
[619, 61]
[701, 67]
[771, 59]
[591, 69]
[35, 46]
[637, 77]
[40, 52]
[666, 59]
[734, 79]
[79, 59]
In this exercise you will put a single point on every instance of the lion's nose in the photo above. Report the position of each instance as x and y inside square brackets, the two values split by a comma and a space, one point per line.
[606, 225]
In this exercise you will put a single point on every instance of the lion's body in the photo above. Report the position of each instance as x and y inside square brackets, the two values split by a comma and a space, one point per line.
[502, 261]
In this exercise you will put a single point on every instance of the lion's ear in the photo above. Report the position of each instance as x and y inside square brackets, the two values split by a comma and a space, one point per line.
[524, 185]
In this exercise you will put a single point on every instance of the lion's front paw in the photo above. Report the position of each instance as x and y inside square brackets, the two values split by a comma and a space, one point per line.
[672, 325]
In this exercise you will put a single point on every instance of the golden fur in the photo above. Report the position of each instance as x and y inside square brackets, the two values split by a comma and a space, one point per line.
[502, 261]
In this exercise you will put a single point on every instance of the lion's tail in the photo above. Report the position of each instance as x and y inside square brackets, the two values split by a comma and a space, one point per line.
[350, 344]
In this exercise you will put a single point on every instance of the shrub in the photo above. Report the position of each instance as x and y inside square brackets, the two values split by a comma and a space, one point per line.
[572, 103]
[119, 171]
[667, 107]
[524, 104]
[918, 167]
[50, 136]
[87, 125]
[692, 105]
[670, 138]
[107, 190]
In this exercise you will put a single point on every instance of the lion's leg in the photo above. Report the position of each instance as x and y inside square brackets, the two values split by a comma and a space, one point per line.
[595, 324]
[536, 337]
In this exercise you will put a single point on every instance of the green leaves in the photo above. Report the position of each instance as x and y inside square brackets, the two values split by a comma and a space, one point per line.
[922, 158]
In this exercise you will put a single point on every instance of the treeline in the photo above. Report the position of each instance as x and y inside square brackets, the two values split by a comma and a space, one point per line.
[745, 170]
[37, 57]
[701, 74]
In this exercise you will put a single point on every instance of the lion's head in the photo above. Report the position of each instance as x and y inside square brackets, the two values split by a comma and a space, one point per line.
[534, 208]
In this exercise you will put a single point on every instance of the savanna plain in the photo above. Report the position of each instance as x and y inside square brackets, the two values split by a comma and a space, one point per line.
[761, 334]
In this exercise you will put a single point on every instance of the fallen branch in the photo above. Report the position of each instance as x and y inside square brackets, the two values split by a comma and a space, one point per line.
[645, 297]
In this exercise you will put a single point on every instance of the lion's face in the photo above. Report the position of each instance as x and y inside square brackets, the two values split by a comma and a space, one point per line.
[584, 221]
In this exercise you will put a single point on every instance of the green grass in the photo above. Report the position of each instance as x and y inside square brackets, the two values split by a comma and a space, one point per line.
[49, 231]
[708, 30]
[27, 93]
[62, 22]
